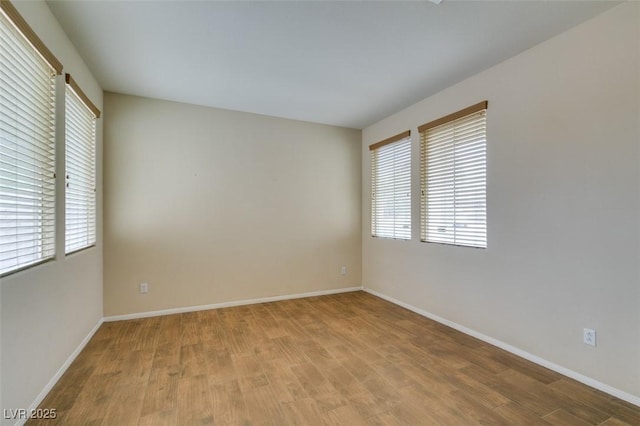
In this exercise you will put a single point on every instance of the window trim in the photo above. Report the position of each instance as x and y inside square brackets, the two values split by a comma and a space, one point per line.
[454, 116]
[83, 97]
[18, 21]
[390, 140]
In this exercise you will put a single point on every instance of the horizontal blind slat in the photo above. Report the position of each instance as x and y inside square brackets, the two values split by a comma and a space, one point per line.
[453, 182]
[27, 153]
[80, 199]
[391, 190]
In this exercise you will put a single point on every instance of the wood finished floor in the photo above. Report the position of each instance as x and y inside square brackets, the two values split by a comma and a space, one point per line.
[344, 359]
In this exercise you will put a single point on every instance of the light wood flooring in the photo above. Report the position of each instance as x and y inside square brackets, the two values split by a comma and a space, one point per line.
[344, 359]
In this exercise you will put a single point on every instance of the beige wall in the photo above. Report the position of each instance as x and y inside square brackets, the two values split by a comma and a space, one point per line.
[211, 206]
[48, 310]
[563, 205]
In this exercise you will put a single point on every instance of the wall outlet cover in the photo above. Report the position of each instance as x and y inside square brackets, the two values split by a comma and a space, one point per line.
[589, 337]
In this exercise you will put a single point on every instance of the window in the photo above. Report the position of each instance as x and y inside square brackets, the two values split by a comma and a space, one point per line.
[391, 187]
[80, 172]
[453, 161]
[27, 146]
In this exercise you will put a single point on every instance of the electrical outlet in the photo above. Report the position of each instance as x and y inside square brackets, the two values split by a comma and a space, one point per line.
[343, 270]
[144, 288]
[589, 337]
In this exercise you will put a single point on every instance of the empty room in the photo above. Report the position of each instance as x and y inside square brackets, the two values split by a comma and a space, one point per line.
[319, 212]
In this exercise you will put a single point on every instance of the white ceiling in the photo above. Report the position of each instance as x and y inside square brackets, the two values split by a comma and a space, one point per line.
[348, 63]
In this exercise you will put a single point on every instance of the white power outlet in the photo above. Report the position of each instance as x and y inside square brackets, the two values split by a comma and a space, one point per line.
[589, 337]
[144, 288]
[343, 270]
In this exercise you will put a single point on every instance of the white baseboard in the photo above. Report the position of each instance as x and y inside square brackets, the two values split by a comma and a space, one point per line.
[625, 396]
[34, 405]
[228, 304]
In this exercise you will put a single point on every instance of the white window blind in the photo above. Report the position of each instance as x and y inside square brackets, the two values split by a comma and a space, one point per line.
[27, 151]
[391, 187]
[80, 161]
[453, 164]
